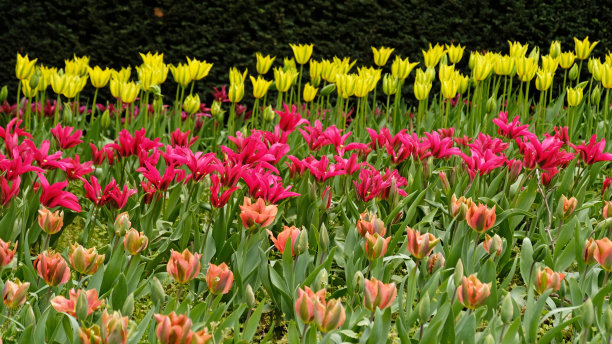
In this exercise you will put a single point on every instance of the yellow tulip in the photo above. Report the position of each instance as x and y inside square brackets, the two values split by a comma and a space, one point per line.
[24, 67]
[264, 63]
[566, 60]
[329, 70]
[433, 55]
[526, 67]
[555, 49]
[59, 81]
[152, 59]
[191, 104]
[381, 55]
[236, 77]
[372, 76]
[455, 53]
[503, 65]
[361, 86]
[606, 75]
[421, 90]
[549, 63]
[401, 68]
[198, 69]
[390, 84]
[482, 68]
[574, 96]
[115, 87]
[77, 66]
[345, 85]
[315, 70]
[236, 92]
[47, 74]
[284, 79]
[181, 74]
[583, 48]
[543, 80]
[449, 88]
[260, 86]
[344, 65]
[446, 72]
[517, 49]
[74, 85]
[463, 83]
[27, 90]
[145, 77]
[123, 75]
[595, 67]
[309, 92]
[99, 78]
[289, 64]
[129, 92]
[302, 52]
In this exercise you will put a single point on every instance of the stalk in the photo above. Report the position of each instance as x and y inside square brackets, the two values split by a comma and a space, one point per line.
[93, 107]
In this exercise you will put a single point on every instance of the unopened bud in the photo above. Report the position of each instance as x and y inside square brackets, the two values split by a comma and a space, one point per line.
[268, 114]
[82, 306]
[596, 95]
[588, 314]
[424, 309]
[250, 296]
[27, 316]
[358, 281]
[327, 90]
[302, 242]
[608, 319]
[3, 94]
[458, 274]
[489, 339]
[157, 292]
[507, 309]
[573, 73]
[324, 238]
[128, 306]
[444, 182]
[321, 280]
[491, 105]
[105, 121]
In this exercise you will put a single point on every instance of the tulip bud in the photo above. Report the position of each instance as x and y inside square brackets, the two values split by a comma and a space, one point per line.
[459, 207]
[191, 104]
[85, 261]
[603, 254]
[27, 315]
[444, 182]
[507, 309]
[589, 250]
[183, 266]
[596, 95]
[547, 279]
[377, 294]
[330, 316]
[566, 207]
[588, 314]
[420, 245]
[82, 305]
[491, 105]
[268, 114]
[52, 268]
[122, 224]
[50, 222]
[493, 245]
[6, 254]
[157, 292]
[128, 305]
[369, 223]
[435, 262]
[489, 339]
[472, 293]
[480, 218]
[217, 111]
[555, 49]
[305, 303]
[458, 273]
[3, 94]
[607, 210]
[424, 309]
[105, 120]
[114, 328]
[427, 168]
[515, 169]
[358, 279]
[327, 90]
[301, 242]
[375, 245]
[219, 278]
[324, 238]
[430, 73]
[15, 293]
[607, 316]
[321, 280]
[250, 296]
[135, 242]
[573, 73]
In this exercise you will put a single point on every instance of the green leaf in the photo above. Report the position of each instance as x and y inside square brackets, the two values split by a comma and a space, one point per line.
[137, 334]
[251, 326]
[526, 260]
[551, 333]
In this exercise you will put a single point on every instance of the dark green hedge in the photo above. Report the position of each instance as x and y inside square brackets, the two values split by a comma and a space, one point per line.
[229, 33]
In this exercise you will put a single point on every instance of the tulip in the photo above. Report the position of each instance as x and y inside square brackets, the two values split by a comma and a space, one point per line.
[69, 306]
[455, 53]
[191, 104]
[566, 60]
[574, 96]
[329, 316]
[129, 92]
[281, 241]
[198, 69]
[181, 74]
[90, 335]
[52, 268]
[420, 245]
[99, 77]
[6, 254]
[526, 68]
[85, 261]
[302, 52]
[381, 55]
[401, 68]
[24, 68]
[305, 303]
[566, 207]
[123, 75]
[482, 67]
[421, 90]
[309, 92]
[546, 279]
[345, 85]
[390, 84]
[472, 293]
[122, 223]
[606, 75]
[264, 63]
[15, 293]
[433, 55]
[435, 262]
[219, 278]
[517, 49]
[260, 86]
[375, 245]
[503, 65]
[176, 329]
[588, 253]
[583, 48]
[555, 49]
[493, 245]
[183, 267]
[135, 242]
[377, 294]
[258, 214]
[283, 79]
[607, 210]
[449, 88]
[543, 80]
[603, 254]
[114, 328]
[236, 92]
[369, 223]
[480, 218]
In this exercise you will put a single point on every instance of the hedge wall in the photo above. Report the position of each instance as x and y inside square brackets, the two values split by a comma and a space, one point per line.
[230, 32]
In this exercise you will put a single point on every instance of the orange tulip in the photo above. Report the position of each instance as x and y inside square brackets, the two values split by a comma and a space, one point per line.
[176, 329]
[435, 262]
[603, 254]
[114, 328]
[472, 293]
[257, 215]
[183, 267]
[6, 254]
[546, 279]
[480, 218]
[460, 206]
[68, 306]
[52, 268]
[375, 245]
[50, 222]
[281, 241]
[135, 242]
[588, 253]
[85, 261]
[304, 305]
[607, 210]
[377, 294]
[219, 278]
[566, 206]
[420, 245]
[493, 245]
[90, 335]
[329, 316]
[15, 293]
[369, 223]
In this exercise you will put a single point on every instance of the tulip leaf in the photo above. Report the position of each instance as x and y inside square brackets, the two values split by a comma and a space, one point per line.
[112, 270]
[533, 310]
[510, 337]
[466, 329]
[526, 261]
[120, 292]
[137, 334]
[551, 333]
[251, 326]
